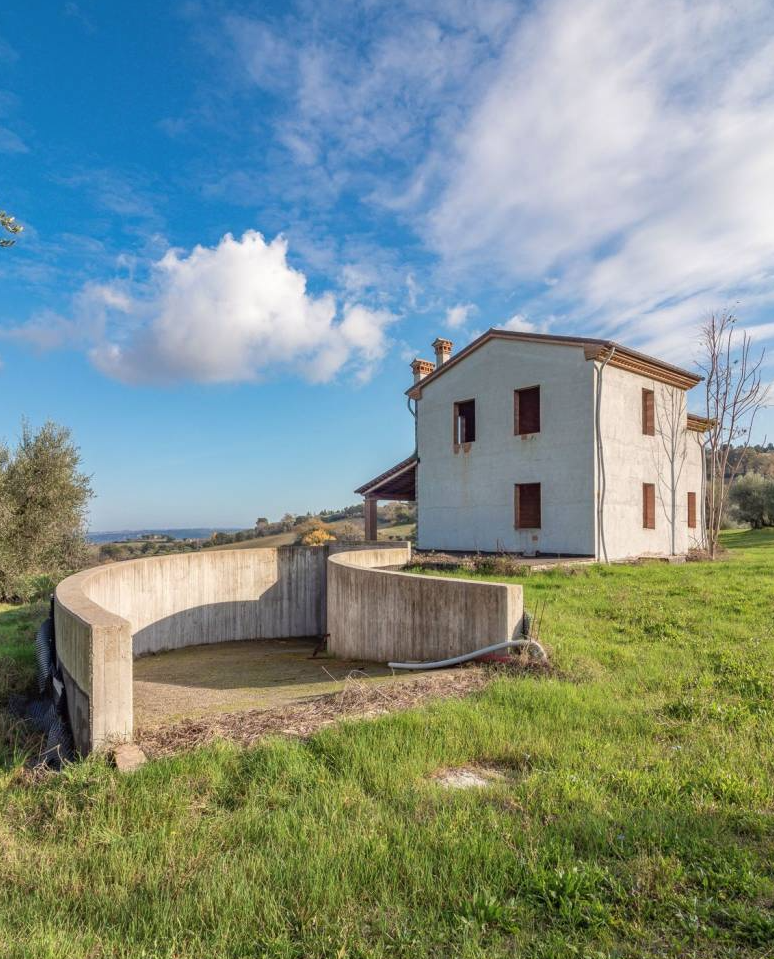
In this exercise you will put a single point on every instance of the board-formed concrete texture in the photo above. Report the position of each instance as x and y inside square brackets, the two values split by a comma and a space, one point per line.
[386, 615]
[108, 615]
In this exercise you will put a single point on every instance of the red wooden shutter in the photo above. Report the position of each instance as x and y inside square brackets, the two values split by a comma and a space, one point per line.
[648, 506]
[528, 506]
[526, 411]
[648, 417]
[692, 510]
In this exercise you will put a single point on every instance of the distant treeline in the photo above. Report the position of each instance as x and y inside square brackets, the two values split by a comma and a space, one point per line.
[308, 528]
[758, 459]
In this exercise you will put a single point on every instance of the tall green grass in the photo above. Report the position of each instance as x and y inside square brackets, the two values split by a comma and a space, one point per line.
[634, 816]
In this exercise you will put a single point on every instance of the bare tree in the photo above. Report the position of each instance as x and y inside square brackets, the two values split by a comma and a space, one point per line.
[670, 409]
[9, 224]
[735, 394]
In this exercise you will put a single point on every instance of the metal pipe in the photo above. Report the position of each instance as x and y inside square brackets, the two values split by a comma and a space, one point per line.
[601, 545]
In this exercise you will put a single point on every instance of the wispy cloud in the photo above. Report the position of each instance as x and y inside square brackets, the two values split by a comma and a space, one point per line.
[11, 142]
[612, 158]
[360, 91]
[457, 316]
[601, 167]
[7, 53]
[626, 150]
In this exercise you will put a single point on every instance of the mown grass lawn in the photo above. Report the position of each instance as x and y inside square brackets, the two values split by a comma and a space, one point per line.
[636, 816]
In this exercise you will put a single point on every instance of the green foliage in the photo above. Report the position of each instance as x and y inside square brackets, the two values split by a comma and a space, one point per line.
[43, 502]
[145, 546]
[752, 500]
[633, 816]
[9, 225]
[18, 625]
[753, 459]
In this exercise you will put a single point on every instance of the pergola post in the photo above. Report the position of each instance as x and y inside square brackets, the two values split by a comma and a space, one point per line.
[370, 505]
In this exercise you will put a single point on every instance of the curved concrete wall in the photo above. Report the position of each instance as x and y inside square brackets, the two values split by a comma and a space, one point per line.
[106, 616]
[214, 596]
[94, 653]
[385, 615]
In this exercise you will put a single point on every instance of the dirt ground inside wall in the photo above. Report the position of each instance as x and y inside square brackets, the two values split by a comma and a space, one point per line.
[199, 681]
[244, 691]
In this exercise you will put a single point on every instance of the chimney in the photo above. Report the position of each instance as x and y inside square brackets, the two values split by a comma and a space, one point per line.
[421, 369]
[443, 350]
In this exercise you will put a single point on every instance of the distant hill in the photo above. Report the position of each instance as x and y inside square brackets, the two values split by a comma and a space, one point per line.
[338, 527]
[128, 535]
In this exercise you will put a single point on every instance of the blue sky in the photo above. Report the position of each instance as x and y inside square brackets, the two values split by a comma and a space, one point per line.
[242, 220]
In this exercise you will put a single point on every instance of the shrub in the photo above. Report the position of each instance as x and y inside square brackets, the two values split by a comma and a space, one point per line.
[317, 537]
[313, 532]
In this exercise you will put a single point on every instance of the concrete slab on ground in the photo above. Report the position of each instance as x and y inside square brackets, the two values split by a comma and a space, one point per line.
[199, 681]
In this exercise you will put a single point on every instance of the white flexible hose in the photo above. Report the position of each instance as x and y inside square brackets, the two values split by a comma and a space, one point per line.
[509, 644]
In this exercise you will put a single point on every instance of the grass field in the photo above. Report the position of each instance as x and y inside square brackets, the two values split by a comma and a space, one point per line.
[635, 815]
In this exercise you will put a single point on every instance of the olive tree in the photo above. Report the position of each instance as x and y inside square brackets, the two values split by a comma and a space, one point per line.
[44, 497]
[752, 498]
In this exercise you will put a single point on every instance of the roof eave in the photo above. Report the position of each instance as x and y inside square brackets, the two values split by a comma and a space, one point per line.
[398, 470]
[594, 349]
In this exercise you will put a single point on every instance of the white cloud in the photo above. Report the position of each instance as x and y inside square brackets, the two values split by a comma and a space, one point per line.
[625, 149]
[519, 323]
[235, 312]
[457, 316]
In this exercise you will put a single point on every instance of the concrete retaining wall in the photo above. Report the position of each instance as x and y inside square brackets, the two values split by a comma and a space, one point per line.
[106, 616]
[94, 652]
[383, 615]
[214, 596]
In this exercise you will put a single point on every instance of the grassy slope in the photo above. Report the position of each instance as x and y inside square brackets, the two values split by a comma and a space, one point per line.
[17, 628]
[17, 676]
[286, 539]
[636, 817]
[281, 539]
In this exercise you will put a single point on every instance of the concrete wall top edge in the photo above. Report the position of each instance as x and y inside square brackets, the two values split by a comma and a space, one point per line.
[72, 593]
[344, 559]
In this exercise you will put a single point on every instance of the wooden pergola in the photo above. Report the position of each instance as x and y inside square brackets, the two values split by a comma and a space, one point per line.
[397, 483]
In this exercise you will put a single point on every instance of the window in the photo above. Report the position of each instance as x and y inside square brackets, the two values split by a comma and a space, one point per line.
[648, 418]
[526, 411]
[648, 506]
[527, 504]
[464, 422]
[692, 511]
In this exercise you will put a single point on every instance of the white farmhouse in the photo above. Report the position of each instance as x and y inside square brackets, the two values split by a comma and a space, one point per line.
[550, 445]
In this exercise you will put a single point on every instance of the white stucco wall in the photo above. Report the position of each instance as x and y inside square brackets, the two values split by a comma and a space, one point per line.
[632, 458]
[466, 499]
